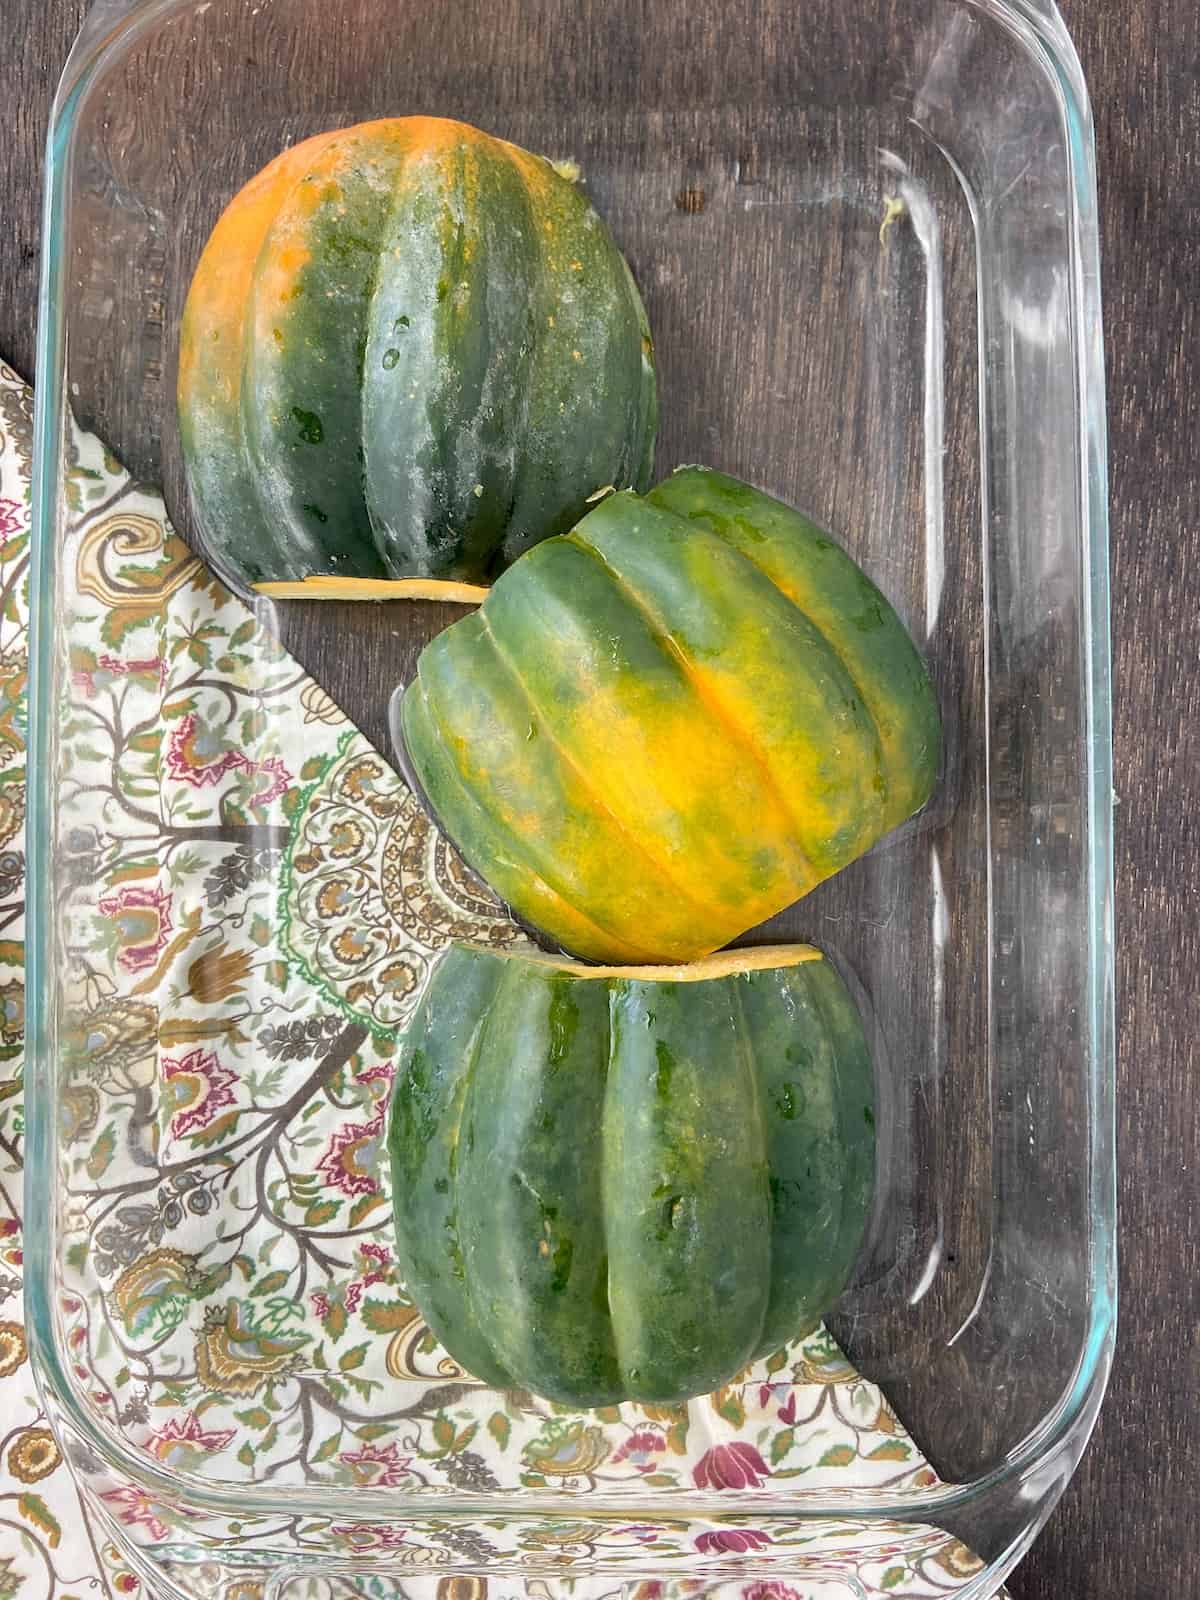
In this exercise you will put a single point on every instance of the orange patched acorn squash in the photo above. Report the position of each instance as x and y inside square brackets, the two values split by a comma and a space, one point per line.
[410, 350]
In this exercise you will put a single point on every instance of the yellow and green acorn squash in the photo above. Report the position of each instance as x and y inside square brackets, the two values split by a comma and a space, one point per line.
[671, 723]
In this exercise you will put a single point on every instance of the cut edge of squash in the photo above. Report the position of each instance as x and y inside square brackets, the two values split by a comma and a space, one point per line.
[721, 964]
[325, 586]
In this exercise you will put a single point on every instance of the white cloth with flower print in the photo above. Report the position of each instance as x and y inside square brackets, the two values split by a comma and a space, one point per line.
[167, 952]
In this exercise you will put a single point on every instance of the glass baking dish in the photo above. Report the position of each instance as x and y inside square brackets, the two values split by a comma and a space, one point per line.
[866, 239]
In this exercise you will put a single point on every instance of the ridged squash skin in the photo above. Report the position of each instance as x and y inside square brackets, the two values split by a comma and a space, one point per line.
[625, 1184]
[668, 725]
[409, 349]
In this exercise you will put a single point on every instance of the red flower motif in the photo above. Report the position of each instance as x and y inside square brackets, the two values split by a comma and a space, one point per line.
[12, 519]
[110, 666]
[194, 755]
[143, 923]
[369, 1536]
[374, 1266]
[189, 756]
[730, 1466]
[718, 1541]
[640, 1449]
[377, 1262]
[144, 664]
[381, 1072]
[778, 1393]
[134, 1506]
[376, 1466]
[352, 1158]
[176, 1438]
[787, 1412]
[281, 779]
[769, 1591]
[197, 1087]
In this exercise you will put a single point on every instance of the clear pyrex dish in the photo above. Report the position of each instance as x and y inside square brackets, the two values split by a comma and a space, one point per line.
[866, 238]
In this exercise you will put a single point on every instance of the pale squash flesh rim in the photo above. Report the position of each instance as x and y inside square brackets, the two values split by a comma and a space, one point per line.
[722, 964]
[325, 586]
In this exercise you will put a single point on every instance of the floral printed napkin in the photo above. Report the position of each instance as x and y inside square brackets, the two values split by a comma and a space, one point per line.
[256, 905]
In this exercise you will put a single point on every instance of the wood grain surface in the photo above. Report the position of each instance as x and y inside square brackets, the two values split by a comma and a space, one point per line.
[1126, 1526]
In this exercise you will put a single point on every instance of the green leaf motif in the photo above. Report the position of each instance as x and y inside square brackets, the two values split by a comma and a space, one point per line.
[781, 1444]
[890, 1450]
[102, 1154]
[216, 1132]
[500, 1428]
[732, 1409]
[892, 1577]
[363, 1206]
[353, 1358]
[839, 1455]
[34, 1509]
[382, 1316]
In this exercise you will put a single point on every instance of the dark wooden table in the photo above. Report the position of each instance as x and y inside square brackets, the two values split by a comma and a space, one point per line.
[1127, 1525]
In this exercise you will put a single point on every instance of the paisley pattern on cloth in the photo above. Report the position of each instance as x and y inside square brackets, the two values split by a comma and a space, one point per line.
[251, 903]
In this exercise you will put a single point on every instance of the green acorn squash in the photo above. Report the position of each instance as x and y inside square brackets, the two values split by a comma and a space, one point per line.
[670, 724]
[410, 350]
[626, 1183]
